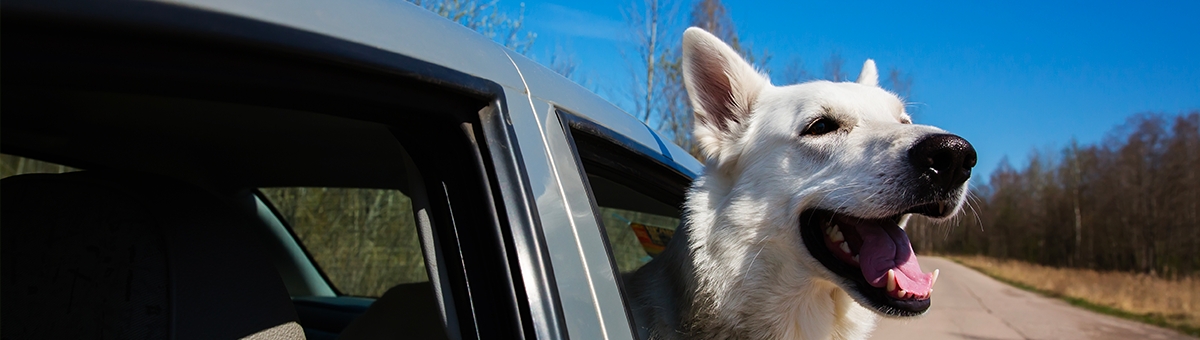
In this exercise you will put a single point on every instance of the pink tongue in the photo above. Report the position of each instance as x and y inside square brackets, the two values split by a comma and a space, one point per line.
[885, 246]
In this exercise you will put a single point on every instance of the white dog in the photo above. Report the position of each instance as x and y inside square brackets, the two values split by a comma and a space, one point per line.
[795, 229]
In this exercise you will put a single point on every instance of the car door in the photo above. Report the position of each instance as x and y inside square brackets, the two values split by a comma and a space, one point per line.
[434, 86]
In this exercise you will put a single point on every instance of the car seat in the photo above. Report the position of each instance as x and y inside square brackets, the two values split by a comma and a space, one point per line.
[105, 255]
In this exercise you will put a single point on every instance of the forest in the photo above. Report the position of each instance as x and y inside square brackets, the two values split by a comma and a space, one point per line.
[1126, 203]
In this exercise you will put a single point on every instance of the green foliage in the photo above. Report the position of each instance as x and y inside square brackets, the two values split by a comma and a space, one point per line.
[1127, 204]
[365, 240]
[15, 165]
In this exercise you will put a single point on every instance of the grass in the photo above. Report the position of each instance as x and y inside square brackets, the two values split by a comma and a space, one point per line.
[1154, 300]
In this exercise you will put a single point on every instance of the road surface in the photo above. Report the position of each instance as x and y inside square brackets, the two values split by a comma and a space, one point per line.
[970, 305]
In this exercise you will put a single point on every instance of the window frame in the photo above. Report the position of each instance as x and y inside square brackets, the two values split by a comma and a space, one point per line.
[629, 162]
[295, 239]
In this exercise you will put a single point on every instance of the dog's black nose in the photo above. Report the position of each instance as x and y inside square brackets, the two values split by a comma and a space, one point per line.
[947, 159]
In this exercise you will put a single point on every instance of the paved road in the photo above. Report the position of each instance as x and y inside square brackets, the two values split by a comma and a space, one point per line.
[970, 305]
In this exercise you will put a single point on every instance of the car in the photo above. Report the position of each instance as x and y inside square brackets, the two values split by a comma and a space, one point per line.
[353, 169]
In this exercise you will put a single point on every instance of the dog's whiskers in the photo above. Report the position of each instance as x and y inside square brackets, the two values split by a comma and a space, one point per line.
[971, 197]
[849, 194]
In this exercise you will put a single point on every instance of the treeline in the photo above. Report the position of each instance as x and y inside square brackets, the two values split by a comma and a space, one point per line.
[364, 240]
[1128, 203]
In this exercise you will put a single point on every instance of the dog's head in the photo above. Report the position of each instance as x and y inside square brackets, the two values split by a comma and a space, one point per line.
[828, 172]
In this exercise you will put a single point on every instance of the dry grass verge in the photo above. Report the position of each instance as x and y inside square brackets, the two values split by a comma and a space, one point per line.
[1163, 302]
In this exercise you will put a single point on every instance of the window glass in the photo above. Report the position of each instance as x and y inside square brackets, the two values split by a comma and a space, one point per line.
[638, 200]
[15, 165]
[636, 237]
[637, 221]
[365, 240]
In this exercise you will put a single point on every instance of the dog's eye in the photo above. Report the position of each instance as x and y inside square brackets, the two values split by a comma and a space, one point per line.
[821, 126]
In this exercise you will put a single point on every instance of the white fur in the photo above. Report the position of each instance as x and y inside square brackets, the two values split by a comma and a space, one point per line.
[738, 268]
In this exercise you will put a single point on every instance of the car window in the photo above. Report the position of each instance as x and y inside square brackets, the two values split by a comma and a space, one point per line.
[637, 195]
[11, 165]
[635, 237]
[638, 198]
[365, 240]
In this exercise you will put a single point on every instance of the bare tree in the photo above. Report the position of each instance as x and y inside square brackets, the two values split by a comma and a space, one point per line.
[713, 16]
[672, 112]
[485, 18]
[650, 25]
[835, 67]
[795, 72]
[676, 106]
[899, 82]
[565, 63]
[660, 99]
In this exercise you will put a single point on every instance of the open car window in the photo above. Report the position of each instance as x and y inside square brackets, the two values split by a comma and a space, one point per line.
[635, 235]
[11, 165]
[364, 240]
[638, 197]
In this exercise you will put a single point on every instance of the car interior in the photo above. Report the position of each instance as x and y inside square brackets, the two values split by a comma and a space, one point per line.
[180, 176]
[170, 228]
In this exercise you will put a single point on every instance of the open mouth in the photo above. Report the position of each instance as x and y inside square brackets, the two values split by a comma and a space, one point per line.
[874, 256]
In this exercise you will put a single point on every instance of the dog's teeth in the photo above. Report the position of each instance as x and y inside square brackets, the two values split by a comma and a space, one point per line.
[935, 276]
[941, 207]
[845, 248]
[891, 280]
[855, 258]
[837, 236]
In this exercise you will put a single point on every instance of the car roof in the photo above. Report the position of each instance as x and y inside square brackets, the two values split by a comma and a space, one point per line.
[406, 29]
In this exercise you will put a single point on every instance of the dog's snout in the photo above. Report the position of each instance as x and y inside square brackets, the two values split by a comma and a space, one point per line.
[947, 159]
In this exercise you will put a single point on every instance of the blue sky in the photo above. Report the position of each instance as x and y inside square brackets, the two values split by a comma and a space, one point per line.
[1010, 77]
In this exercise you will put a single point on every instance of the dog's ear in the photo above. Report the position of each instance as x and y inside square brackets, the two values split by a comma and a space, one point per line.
[722, 87]
[869, 76]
